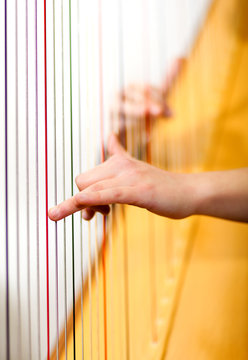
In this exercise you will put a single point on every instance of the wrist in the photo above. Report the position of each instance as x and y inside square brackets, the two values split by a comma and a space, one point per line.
[193, 193]
[221, 194]
[206, 194]
[198, 191]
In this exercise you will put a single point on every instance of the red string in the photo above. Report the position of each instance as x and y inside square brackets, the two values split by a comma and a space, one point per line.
[102, 159]
[46, 179]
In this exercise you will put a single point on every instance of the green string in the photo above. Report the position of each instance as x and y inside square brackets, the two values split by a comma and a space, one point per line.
[73, 260]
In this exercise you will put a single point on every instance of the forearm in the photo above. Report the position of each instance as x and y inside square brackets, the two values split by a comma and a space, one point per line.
[221, 194]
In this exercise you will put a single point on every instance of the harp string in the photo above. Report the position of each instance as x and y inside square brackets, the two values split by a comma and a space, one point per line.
[55, 186]
[37, 179]
[178, 154]
[110, 242]
[102, 159]
[147, 120]
[88, 147]
[80, 169]
[72, 180]
[19, 343]
[168, 164]
[156, 136]
[110, 239]
[162, 156]
[46, 184]
[27, 184]
[63, 180]
[87, 227]
[109, 226]
[97, 290]
[96, 229]
[81, 287]
[170, 167]
[123, 139]
[97, 286]
[90, 287]
[6, 185]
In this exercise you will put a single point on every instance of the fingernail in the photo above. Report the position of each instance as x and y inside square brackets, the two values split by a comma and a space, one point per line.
[54, 212]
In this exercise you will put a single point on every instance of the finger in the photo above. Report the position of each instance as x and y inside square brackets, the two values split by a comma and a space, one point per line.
[67, 207]
[84, 200]
[133, 110]
[99, 173]
[103, 209]
[139, 100]
[120, 180]
[119, 194]
[138, 110]
[89, 213]
[140, 93]
[134, 92]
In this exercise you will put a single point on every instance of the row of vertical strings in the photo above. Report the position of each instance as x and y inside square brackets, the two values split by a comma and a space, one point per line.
[64, 64]
[51, 64]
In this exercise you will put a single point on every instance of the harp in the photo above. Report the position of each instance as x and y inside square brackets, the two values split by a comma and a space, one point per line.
[132, 285]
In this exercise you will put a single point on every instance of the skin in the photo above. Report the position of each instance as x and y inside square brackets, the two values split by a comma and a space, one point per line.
[124, 180]
[136, 101]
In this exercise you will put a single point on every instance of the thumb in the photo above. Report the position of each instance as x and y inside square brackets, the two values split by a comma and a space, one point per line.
[114, 146]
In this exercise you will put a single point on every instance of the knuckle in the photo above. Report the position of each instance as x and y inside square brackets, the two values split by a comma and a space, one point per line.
[118, 195]
[125, 162]
[96, 187]
[136, 172]
[77, 200]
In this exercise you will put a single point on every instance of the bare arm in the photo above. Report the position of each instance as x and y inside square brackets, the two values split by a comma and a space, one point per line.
[125, 180]
[223, 194]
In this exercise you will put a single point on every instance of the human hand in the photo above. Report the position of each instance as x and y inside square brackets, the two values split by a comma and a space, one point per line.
[140, 100]
[124, 180]
[144, 102]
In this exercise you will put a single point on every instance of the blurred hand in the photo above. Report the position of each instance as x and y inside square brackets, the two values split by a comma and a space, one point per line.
[139, 101]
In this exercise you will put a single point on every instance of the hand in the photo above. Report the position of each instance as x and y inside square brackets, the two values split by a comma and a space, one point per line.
[139, 101]
[125, 180]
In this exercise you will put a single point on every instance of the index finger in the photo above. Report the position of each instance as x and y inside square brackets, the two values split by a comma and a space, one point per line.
[66, 208]
[83, 199]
